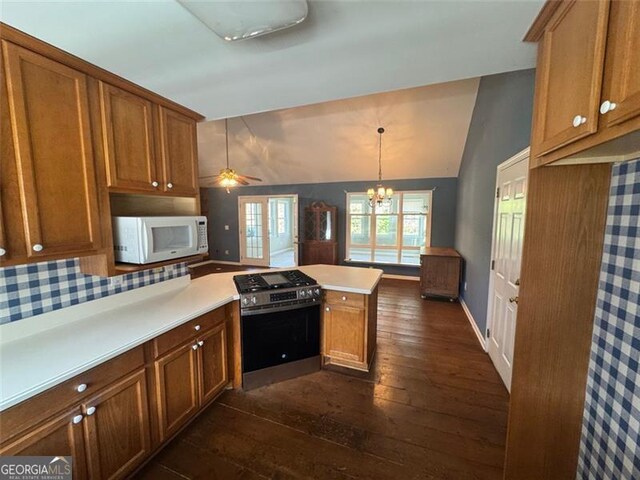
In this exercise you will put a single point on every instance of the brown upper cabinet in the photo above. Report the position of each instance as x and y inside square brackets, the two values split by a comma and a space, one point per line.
[178, 153]
[128, 136]
[148, 148]
[588, 80]
[54, 163]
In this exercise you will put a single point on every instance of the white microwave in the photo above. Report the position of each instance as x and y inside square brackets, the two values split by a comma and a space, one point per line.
[155, 239]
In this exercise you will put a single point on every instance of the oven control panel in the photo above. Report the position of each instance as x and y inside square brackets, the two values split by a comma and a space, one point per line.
[283, 296]
[280, 300]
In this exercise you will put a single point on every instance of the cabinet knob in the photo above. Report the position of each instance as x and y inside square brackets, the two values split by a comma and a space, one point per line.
[3, 252]
[91, 410]
[607, 106]
[77, 419]
[579, 120]
[154, 184]
[344, 299]
[169, 185]
[37, 247]
[200, 343]
[327, 309]
[81, 388]
[197, 327]
[194, 347]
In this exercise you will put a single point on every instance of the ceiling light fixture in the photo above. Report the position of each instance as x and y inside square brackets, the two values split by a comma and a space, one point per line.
[379, 195]
[242, 19]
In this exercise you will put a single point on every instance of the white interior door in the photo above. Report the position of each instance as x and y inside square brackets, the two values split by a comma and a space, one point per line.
[254, 231]
[511, 195]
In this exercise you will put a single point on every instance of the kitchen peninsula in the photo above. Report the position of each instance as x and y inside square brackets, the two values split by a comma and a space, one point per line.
[156, 355]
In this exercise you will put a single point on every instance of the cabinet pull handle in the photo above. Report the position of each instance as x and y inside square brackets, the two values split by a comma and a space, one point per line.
[3, 252]
[169, 185]
[154, 184]
[579, 120]
[607, 106]
[196, 328]
[77, 419]
[200, 343]
[194, 347]
[81, 388]
[37, 247]
[91, 410]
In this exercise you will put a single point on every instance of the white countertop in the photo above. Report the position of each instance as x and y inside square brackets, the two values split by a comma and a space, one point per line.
[40, 352]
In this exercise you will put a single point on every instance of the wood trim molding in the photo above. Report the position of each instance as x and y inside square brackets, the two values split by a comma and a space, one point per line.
[536, 30]
[29, 42]
[474, 325]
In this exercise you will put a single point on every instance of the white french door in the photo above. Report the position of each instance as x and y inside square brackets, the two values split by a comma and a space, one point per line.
[508, 230]
[254, 231]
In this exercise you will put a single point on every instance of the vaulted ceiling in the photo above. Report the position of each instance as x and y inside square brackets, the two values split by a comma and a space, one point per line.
[344, 49]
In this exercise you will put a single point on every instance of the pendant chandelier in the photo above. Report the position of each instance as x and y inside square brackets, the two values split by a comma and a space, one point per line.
[379, 195]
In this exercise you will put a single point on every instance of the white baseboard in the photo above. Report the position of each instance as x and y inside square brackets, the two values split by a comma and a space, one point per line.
[474, 325]
[400, 277]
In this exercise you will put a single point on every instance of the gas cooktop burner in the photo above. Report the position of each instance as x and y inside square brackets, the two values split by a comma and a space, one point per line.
[276, 291]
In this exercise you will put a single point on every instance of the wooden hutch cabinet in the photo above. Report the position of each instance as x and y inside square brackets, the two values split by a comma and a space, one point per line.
[440, 272]
[319, 245]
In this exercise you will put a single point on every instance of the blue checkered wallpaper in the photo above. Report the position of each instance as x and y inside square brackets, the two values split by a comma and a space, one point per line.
[28, 290]
[610, 443]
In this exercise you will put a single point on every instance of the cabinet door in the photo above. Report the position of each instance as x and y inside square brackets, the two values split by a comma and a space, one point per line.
[344, 332]
[212, 359]
[127, 122]
[60, 436]
[117, 428]
[440, 275]
[622, 67]
[50, 123]
[177, 389]
[569, 78]
[178, 152]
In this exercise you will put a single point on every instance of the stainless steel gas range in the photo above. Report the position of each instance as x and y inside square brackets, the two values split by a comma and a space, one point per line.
[280, 326]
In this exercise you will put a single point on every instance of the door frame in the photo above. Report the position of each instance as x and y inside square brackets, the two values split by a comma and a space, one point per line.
[523, 155]
[295, 225]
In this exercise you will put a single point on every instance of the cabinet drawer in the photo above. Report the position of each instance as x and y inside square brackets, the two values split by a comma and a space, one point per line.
[179, 335]
[355, 300]
[26, 414]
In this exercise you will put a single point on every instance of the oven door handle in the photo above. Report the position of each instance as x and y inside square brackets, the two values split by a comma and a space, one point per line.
[280, 308]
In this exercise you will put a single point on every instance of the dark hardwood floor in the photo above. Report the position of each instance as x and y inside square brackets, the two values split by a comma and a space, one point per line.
[433, 407]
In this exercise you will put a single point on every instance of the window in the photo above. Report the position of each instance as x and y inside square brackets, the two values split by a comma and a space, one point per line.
[391, 233]
[281, 218]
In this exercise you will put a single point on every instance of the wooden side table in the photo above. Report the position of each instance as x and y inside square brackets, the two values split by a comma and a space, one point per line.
[440, 272]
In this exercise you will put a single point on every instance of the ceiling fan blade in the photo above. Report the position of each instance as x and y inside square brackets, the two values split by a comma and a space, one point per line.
[242, 182]
[251, 178]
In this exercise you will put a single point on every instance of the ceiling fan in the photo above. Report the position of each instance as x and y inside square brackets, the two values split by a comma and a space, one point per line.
[228, 177]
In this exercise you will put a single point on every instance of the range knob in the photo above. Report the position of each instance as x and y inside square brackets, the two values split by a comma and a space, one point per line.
[303, 293]
[309, 293]
[245, 301]
[316, 292]
[254, 300]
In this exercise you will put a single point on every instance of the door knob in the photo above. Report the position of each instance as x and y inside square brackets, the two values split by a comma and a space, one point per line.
[513, 300]
[579, 120]
[607, 106]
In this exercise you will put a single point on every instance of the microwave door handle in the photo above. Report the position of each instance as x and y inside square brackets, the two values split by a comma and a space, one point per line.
[145, 242]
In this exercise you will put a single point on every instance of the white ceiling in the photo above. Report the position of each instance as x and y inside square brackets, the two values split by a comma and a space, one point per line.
[344, 48]
[426, 130]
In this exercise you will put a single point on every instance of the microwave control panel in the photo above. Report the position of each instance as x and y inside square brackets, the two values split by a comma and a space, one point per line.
[202, 236]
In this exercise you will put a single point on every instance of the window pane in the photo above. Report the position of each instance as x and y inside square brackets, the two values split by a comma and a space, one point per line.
[359, 254]
[415, 203]
[413, 230]
[360, 229]
[411, 257]
[386, 230]
[359, 203]
[389, 207]
[386, 256]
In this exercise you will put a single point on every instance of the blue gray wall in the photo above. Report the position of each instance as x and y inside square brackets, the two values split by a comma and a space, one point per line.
[223, 210]
[500, 127]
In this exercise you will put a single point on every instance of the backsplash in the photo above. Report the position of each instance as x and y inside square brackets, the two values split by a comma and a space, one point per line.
[28, 290]
[610, 443]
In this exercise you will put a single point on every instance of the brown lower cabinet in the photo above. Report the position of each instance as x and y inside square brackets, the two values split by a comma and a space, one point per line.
[104, 418]
[349, 324]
